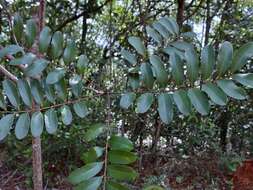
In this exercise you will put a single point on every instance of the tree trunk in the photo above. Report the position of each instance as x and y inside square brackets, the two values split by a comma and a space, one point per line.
[223, 124]
[208, 22]
[37, 164]
[84, 32]
[36, 141]
[156, 135]
[180, 12]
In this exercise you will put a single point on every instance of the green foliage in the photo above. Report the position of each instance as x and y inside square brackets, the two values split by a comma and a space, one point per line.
[37, 124]
[11, 92]
[127, 100]
[194, 80]
[22, 126]
[44, 39]
[137, 44]
[118, 155]
[165, 108]
[6, 123]
[30, 32]
[186, 67]
[144, 102]
[18, 26]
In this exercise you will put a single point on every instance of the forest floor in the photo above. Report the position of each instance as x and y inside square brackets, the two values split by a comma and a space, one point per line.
[193, 172]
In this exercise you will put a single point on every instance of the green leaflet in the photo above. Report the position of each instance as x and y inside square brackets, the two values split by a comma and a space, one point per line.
[94, 131]
[183, 102]
[85, 173]
[207, 61]
[231, 89]
[30, 32]
[134, 82]
[5, 124]
[177, 70]
[44, 39]
[199, 100]
[245, 79]
[215, 93]
[18, 27]
[76, 85]
[55, 76]
[144, 102]
[128, 56]
[25, 92]
[81, 109]
[153, 34]
[51, 121]
[70, 51]
[122, 172]
[36, 68]
[82, 63]
[171, 50]
[189, 35]
[37, 91]
[224, 59]
[161, 29]
[137, 44]
[90, 184]
[2, 101]
[147, 75]
[11, 92]
[61, 89]
[22, 126]
[241, 56]
[160, 72]
[66, 115]
[11, 50]
[192, 64]
[93, 154]
[170, 24]
[165, 108]
[127, 100]
[111, 185]
[26, 59]
[57, 45]
[37, 124]
[49, 91]
[166, 24]
[120, 143]
[182, 45]
[121, 157]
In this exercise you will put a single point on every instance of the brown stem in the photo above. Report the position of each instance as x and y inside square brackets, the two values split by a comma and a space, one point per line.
[208, 22]
[180, 12]
[8, 74]
[36, 141]
[37, 164]
[156, 137]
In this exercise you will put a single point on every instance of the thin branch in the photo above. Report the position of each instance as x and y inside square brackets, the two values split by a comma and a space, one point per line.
[85, 12]
[8, 73]
[189, 5]
[51, 107]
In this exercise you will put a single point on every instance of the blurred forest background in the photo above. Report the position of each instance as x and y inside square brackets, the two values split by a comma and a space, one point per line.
[192, 152]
